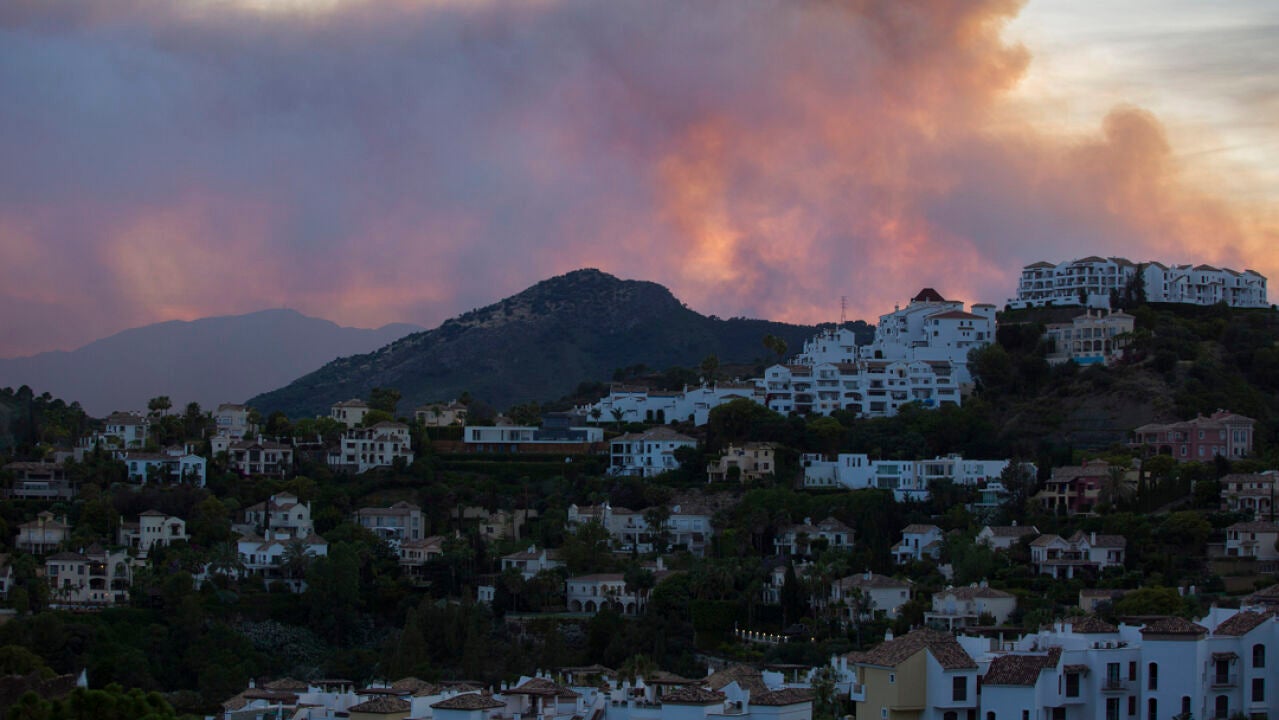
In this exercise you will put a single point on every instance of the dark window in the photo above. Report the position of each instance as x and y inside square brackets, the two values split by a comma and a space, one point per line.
[1072, 685]
[1222, 709]
[1132, 704]
[1152, 675]
[1258, 655]
[1185, 705]
[1152, 709]
[1112, 708]
[1132, 670]
[959, 688]
[1258, 690]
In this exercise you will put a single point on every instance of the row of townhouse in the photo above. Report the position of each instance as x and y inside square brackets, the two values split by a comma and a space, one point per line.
[909, 480]
[870, 388]
[634, 403]
[687, 525]
[1093, 279]
[919, 355]
[1050, 554]
[595, 692]
[1166, 668]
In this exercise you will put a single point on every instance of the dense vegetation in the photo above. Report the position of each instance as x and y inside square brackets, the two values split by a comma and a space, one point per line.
[362, 618]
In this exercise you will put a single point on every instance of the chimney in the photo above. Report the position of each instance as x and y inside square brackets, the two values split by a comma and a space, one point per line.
[1093, 538]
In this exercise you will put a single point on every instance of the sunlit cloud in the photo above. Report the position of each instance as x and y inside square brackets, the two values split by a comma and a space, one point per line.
[402, 160]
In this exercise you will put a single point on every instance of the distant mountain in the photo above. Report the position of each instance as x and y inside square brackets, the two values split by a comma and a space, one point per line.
[209, 361]
[538, 345]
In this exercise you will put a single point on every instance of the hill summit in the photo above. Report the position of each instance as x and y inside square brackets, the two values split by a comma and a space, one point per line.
[536, 345]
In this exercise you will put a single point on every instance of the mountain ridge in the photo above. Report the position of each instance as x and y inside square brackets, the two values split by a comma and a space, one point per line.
[223, 358]
[538, 344]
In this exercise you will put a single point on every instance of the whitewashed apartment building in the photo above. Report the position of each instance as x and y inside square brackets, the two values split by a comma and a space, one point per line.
[1094, 278]
[908, 479]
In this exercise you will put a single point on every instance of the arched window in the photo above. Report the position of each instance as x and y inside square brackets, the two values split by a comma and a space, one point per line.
[1152, 709]
[990, 715]
[1258, 655]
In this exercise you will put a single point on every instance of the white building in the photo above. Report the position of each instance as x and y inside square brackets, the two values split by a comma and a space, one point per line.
[592, 593]
[918, 541]
[131, 429]
[632, 403]
[1090, 339]
[256, 457]
[232, 420]
[647, 454]
[282, 513]
[1254, 539]
[395, 524]
[960, 607]
[172, 465]
[1068, 557]
[1093, 279]
[92, 578]
[1004, 537]
[152, 528]
[377, 446]
[800, 538]
[350, 412]
[43, 535]
[908, 479]
[870, 595]
[532, 561]
[269, 556]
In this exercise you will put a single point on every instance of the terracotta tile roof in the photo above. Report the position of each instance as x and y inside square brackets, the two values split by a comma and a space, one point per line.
[1264, 596]
[943, 646]
[1261, 526]
[661, 677]
[286, 683]
[692, 695]
[1012, 531]
[1173, 626]
[543, 687]
[920, 529]
[416, 686]
[972, 593]
[468, 701]
[785, 696]
[382, 706]
[1241, 623]
[1091, 625]
[928, 295]
[872, 580]
[746, 677]
[1020, 669]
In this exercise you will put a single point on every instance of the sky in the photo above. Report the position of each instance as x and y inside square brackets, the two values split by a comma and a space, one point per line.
[373, 161]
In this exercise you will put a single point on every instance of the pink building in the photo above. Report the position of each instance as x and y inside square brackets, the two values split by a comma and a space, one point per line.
[1223, 433]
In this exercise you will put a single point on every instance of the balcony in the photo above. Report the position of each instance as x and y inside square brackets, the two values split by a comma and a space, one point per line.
[1222, 680]
[857, 692]
[1115, 684]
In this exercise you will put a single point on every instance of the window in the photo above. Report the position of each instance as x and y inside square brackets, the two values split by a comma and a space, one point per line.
[892, 678]
[1222, 707]
[1132, 670]
[1132, 704]
[1025, 715]
[1112, 708]
[1258, 690]
[1152, 676]
[1258, 655]
[1152, 709]
[1185, 704]
[959, 689]
[1072, 685]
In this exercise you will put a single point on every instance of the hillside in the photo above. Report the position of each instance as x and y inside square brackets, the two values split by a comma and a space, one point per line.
[1183, 360]
[537, 345]
[209, 361]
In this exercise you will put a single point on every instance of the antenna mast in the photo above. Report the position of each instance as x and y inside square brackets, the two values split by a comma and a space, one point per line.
[843, 309]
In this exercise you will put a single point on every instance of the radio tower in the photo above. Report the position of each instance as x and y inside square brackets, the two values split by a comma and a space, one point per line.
[843, 308]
